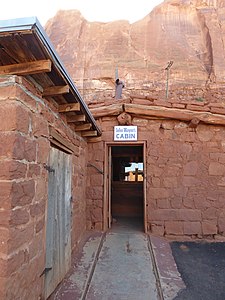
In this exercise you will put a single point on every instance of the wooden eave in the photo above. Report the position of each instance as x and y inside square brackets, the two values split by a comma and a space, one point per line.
[26, 50]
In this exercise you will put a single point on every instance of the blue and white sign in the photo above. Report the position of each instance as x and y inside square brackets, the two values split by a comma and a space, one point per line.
[125, 133]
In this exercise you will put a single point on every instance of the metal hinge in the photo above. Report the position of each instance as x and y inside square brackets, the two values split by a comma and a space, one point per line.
[49, 169]
[46, 270]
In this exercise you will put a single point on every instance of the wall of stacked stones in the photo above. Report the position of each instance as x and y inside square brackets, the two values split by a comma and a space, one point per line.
[151, 93]
[185, 177]
[24, 152]
[95, 185]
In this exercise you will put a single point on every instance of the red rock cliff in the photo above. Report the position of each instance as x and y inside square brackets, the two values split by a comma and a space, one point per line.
[190, 33]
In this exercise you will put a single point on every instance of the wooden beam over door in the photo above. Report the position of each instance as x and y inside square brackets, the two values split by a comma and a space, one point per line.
[63, 108]
[27, 68]
[174, 113]
[59, 140]
[55, 90]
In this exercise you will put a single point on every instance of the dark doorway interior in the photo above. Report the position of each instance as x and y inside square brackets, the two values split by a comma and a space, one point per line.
[127, 185]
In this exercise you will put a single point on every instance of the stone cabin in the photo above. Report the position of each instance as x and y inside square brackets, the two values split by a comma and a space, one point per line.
[67, 167]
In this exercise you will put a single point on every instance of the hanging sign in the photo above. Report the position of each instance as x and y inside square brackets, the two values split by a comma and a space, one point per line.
[125, 133]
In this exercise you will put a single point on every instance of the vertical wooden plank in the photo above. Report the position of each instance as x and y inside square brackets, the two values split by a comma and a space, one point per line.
[50, 212]
[56, 259]
[68, 176]
[105, 191]
[107, 188]
[67, 210]
[60, 214]
[52, 226]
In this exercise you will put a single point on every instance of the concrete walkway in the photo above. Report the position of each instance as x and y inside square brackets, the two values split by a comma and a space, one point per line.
[124, 269]
[118, 265]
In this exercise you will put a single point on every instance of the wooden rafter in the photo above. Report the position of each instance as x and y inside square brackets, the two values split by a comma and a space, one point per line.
[77, 118]
[94, 139]
[89, 133]
[27, 68]
[63, 108]
[83, 127]
[55, 90]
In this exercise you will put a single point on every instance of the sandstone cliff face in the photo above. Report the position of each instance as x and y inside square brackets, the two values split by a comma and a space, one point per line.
[189, 33]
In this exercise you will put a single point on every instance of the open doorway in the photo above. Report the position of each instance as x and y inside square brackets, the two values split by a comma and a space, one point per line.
[127, 186]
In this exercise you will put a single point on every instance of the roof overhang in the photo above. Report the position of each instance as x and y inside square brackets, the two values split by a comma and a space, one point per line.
[24, 43]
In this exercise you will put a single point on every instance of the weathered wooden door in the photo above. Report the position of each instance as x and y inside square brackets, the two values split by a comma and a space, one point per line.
[58, 237]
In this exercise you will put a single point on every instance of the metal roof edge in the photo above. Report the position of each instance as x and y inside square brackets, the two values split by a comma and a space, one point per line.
[17, 24]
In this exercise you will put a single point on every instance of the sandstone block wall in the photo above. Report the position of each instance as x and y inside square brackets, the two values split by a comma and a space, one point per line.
[24, 149]
[185, 182]
[95, 186]
[185, 177]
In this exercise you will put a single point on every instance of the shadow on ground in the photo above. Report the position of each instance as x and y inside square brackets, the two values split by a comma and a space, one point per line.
[202, 268]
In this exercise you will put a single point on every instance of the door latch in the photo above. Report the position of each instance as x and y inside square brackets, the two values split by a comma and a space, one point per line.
[46, 270]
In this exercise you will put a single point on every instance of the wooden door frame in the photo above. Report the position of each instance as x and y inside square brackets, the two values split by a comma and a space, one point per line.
[107, 181]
